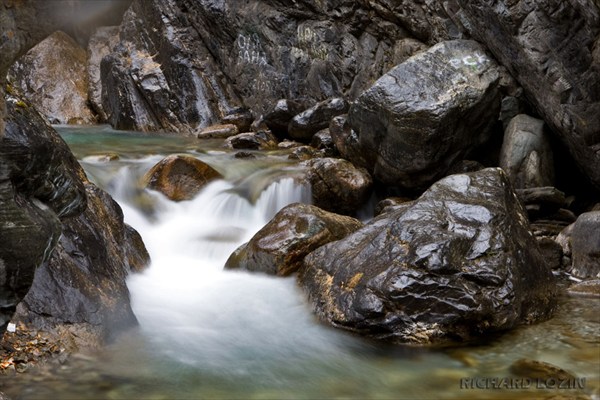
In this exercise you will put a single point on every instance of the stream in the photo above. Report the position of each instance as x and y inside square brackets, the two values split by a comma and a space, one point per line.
[214, 334]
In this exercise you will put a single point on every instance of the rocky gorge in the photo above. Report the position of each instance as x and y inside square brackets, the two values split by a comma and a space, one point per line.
[450, 148]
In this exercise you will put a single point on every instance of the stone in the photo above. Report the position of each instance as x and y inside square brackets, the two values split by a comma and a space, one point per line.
[262, 140]
[551, 251]
[391, 204]
[82, 289]
[101, 43]
[322, 140]
[585, 289]
[564, 239]
[338, 186]
[526, 154]
[456, 264]
[551, 48]
[53, 77]
[585, 246]
[279, 117]
[426, 114]
[548, 196]
[241, 118]
[180, 177]
[539, 370]
[304, 125]
[280, 246]
[218, 131]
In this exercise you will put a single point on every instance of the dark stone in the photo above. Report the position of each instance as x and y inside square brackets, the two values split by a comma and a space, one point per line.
[585, 246]
[278, 118]
[425, 114]
[548, 196]
[244, 155]
[338, 186]
[456, 264]
[180, 177]
[551, 252]
[280, 246]
[552, 48]
[83, 287]
[322, 140]
[262, 140]
[304, 125]
[391, 204]
[526, 155]
[100, 45]
[53, 77]
[304, 153]
[241, 118]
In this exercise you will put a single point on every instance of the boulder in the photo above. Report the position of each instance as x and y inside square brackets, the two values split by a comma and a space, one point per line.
[40, 183]
[241, 118]
[218, 131]
[552, 48]
[53, 76]
[304, 125]
[322, 140]
[585, 246]
[338, 186]
[526, 155]
[262, 140]
[279, 117]
[455, 264]
[180, 177]
[426, 114]
[83, 287]
[280, 246]
[100, 45]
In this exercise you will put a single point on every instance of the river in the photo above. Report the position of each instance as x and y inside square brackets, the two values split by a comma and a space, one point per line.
[214, 334]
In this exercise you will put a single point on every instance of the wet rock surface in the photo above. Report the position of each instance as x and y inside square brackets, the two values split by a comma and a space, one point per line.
[456, 263]
[426, 114]
[101, 43]
[280, 247]
[304, 125]
[585, 246]
[53, 77]
[180, 177]
[337, 185]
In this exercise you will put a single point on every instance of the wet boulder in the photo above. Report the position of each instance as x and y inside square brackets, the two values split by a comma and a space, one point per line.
[338, 186]
[585, 246]
[180, 177]
[304, 125]
[526, 154]
[426, 114]
[262, 140]
[552, 49]
[280, 246]
[455, 264]
[100, 45]
[82, 288]
[279, 117]
[53, 76]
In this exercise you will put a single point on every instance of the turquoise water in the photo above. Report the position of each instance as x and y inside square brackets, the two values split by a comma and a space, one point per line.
[213, 334]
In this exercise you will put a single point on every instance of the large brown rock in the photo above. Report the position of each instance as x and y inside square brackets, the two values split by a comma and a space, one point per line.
[180, 177]
[456, 264]
[280, 246]
[424, 115]
[552, 48]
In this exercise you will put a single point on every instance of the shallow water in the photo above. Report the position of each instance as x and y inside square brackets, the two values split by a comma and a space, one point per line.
[209, 333]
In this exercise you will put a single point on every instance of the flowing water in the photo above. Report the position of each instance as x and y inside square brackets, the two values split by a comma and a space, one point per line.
[209, 333]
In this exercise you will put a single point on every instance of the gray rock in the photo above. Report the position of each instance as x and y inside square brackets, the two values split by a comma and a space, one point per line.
[426, 114]
[457, 263]
[304, 125]
[53, 76]
[338, 186]
[322, 140]
[280, 246]
[279, 117]
[526, 154]
[551, 48]
[101, 43]
[551, 252]
[585, 246]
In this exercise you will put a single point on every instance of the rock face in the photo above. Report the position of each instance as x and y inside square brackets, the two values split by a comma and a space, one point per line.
[53, 76]
[526, 154]
[426, 114]
[338, 186]
[82, 287]
[180, 177]
[453, 265]
[280, 246]
[40, 182]
[304, 125]
[553, 49]
[100, 45]
[585, 245]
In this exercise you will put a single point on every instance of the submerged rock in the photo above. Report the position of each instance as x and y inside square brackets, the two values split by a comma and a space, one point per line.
[280, 246]
[53, 76]
[425, 114]
[455, 264]
[180, 177]
[338, 186]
